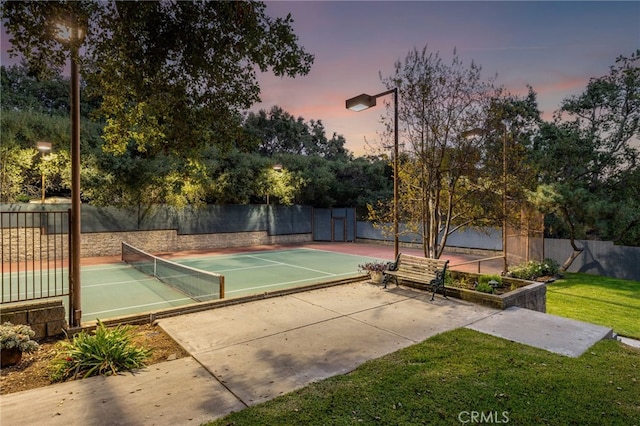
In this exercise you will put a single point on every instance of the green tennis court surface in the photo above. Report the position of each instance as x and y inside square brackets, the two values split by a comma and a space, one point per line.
[115, 290]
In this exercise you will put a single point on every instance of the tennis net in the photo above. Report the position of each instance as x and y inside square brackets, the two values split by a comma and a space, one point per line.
[199, 285]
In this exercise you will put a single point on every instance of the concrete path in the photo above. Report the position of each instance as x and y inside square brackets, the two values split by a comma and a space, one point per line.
[263, 349]
[246, 354]
[563, 336]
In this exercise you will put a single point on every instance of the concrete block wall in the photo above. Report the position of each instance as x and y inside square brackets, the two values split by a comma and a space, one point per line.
[47, 319]
[529, 295]
[109, 244]
[532, 296]
[30, 244]
[25, 244]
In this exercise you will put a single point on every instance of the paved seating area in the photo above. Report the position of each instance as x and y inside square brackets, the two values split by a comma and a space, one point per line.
[245, 354]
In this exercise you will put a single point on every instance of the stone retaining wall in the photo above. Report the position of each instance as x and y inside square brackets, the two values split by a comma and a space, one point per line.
[108, 243]
[532, 296]
[529, 295]
[47, 319]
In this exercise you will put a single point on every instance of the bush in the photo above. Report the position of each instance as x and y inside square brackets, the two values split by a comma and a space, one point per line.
[105, 352]
[532, 269]
[17, 336]
[484, 279]
[484, 288]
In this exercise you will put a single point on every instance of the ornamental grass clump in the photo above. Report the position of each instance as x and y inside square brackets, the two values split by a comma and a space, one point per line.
[17, 336]
[106, 351]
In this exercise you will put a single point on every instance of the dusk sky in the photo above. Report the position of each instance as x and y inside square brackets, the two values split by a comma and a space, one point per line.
[555, 47]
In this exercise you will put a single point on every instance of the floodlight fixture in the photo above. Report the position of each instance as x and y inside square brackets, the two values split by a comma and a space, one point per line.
[43, 146]
[361, 102]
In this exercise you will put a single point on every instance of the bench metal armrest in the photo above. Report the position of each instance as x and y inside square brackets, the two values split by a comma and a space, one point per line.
[393, 266]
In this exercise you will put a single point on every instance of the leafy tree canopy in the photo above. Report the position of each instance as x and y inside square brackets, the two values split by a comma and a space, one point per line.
[278, 132]
[172, 75]
[588, 159]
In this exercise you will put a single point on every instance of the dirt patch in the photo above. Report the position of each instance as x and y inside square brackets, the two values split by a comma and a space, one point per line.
[34, 369]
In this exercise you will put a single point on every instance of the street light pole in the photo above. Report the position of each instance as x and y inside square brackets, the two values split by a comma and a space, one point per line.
[505, 261]
[362, 102]
[75, 179]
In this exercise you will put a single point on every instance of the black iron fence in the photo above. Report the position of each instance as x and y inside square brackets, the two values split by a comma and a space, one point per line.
[35, 255]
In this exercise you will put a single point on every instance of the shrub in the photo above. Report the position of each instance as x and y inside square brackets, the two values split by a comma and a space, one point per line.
[490, 277]
[105, 352]
[532, 269]
[17, 336]
[484, 287]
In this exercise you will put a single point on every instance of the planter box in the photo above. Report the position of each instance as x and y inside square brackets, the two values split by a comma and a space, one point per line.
[532, 296]
[529, 294]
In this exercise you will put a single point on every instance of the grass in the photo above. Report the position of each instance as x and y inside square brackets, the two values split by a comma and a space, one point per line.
[453, 376]
[611, 302]
[446, 378]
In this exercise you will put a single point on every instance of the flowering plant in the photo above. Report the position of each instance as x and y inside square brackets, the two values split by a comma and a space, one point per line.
[17, 336]
[373, 267]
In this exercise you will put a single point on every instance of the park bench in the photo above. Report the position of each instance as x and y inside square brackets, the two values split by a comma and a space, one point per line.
[420, 270]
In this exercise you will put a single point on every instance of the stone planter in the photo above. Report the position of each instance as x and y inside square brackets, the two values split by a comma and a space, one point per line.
[532, 296]
[376, 277]
[9, 357]
[527, 294]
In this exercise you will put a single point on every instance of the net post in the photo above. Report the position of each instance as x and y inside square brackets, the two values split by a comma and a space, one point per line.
[222, 287]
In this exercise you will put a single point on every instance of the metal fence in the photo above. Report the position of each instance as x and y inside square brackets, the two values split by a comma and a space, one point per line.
[35, 255]
[598, 258]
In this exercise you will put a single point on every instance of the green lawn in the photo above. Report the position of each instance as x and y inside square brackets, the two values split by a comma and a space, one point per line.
[599, 300]
[450, 377]
[466, 377]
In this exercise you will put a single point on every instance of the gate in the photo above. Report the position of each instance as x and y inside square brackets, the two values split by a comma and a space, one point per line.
[338, 224]
[35, 256]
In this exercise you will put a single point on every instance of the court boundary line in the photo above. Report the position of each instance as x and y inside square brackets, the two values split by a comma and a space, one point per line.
[289, 282]
[293, 266]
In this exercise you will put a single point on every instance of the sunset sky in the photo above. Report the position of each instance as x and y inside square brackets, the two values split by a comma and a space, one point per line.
[555, 47]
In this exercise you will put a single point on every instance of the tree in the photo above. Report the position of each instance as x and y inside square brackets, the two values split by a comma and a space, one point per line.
[439, 171]
[24, 92]
[593, 190]
[278, 132]
[172, 76]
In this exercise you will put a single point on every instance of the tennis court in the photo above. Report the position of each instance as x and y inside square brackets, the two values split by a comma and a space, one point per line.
[118, 289]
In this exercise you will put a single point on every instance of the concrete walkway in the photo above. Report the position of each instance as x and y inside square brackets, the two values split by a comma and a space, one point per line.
[246, 354]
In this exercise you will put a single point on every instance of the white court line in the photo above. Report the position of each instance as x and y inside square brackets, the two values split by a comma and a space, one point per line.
[242, 254]
[295, 266]
[245, 268]
[136, 306]
[273, 263]
[280, 284]
[92, 268]
[119, 282]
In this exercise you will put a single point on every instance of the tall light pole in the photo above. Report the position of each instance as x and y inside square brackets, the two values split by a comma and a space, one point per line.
[362, 102]
[75, 177]
[505, 261]
[43, 147]
[73, 36]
